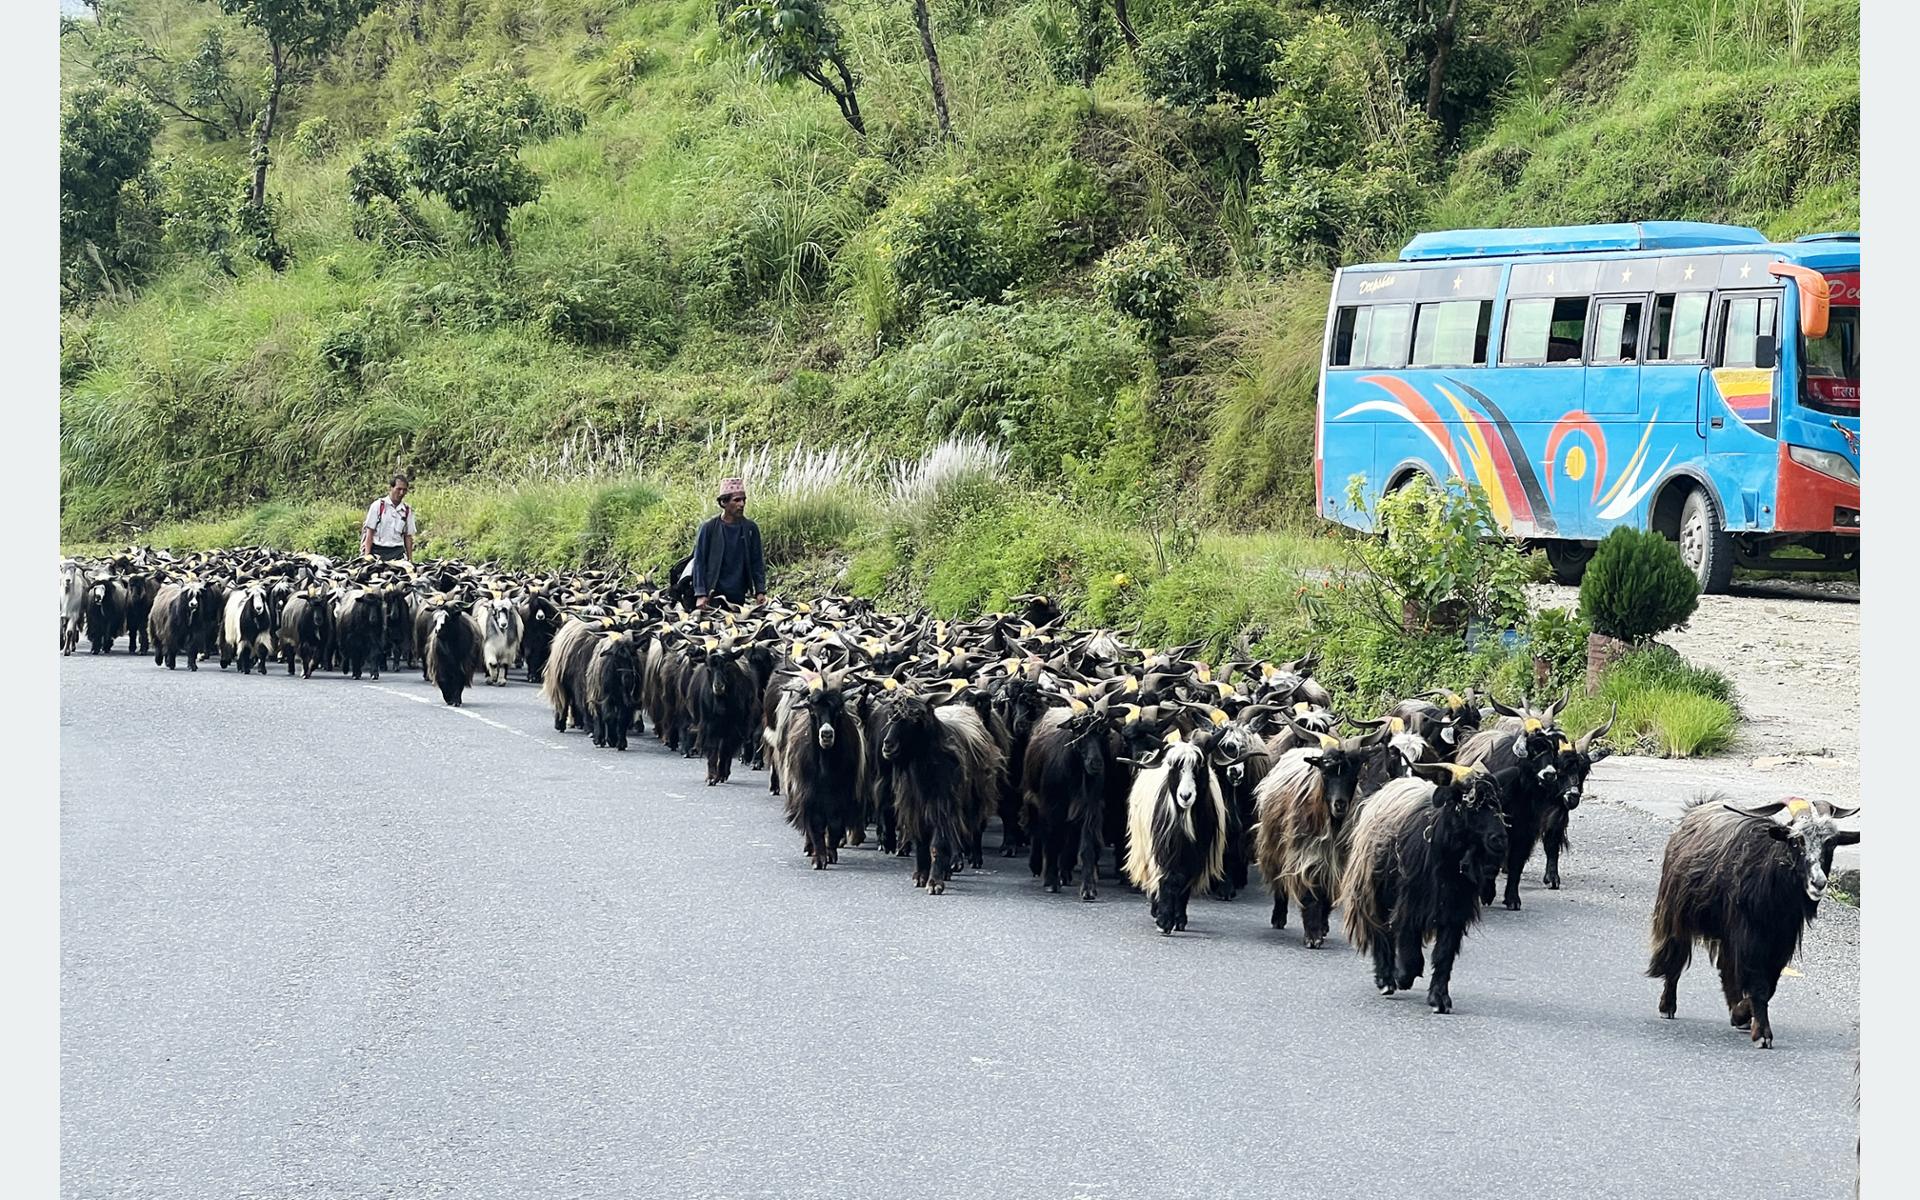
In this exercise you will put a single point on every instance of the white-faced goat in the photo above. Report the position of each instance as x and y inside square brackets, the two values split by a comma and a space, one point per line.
[819, 754]
[1302, 808]
[500, 634]
[1421, 849]
[1177, 829]
[1744, 880]
[73, 604]
[246, 629]
[1553, 774]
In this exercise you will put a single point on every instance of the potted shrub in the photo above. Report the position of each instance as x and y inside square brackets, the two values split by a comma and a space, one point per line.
[1636, 587]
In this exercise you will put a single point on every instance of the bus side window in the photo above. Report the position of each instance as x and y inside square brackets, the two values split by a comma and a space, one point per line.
[1745, 319]
[1349, 331]
[1387, 336]
[1679, 327]
[1451, 333]
[1568, 333]
[1528, 323]
[1616, 336]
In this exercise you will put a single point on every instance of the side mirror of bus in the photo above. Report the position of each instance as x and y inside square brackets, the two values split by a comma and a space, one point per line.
[1766, 351]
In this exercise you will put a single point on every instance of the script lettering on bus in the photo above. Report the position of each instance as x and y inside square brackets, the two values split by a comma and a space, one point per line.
[1370, 286]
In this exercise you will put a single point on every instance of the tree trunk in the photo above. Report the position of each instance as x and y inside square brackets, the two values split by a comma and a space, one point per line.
[1443, 36]
[263, 132]
[1126, 26]
[1602, 652]
[844, 94]
[925, 22]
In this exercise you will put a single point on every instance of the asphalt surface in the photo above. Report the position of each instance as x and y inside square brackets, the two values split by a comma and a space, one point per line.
[332, 939]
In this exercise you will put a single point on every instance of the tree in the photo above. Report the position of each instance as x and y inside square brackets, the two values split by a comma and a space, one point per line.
[203, 89]
[925, 22]
[299, 34]
[795, 39]
[106, 144]
[1447, 52]
[466, 150]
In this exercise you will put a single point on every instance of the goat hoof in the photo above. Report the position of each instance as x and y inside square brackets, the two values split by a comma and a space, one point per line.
[1386, 989]
[1512, 904]
[1313, 943]
[1088, 895]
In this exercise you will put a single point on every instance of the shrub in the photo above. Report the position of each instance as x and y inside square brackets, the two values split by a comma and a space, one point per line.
[1079, 42]
[197, 201]
[315, 140]
[1442, 556]
[1222, 50]
[1344, 160]
[936, 247]
[1559, 636]
[1146, 279]
[1637, 586]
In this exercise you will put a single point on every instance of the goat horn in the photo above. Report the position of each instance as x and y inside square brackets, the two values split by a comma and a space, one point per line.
[1586, 742]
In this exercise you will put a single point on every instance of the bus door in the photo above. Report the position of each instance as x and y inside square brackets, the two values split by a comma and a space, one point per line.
[1614, 357]
[1674, 370]
[1739, 409]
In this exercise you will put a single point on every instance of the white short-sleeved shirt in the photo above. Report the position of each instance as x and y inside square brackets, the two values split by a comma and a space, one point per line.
[389, 521]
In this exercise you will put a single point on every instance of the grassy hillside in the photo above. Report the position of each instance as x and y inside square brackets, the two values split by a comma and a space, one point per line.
[719, 270]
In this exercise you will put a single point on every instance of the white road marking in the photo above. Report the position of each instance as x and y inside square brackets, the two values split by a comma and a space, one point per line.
[469, 714]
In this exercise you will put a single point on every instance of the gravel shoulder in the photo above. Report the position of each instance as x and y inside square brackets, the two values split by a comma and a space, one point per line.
[1792, 649]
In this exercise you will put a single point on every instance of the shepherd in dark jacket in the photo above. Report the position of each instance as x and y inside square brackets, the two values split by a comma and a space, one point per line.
[727, 560]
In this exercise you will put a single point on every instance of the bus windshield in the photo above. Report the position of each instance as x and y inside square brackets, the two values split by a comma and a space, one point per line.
[1831, 365]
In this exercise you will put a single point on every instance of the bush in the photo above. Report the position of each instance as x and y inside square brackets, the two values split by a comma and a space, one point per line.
[1079, 42]
[1559, 636]
[1146, 279]
[1222, 50]
[1637, 586]
[1667, 706]
[315, 140]
[935, 247]
[1442, 556]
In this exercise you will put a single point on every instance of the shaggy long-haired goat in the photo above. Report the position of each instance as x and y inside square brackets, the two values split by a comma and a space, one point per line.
[1177, 827]
[1744, 880]
[1303, 806]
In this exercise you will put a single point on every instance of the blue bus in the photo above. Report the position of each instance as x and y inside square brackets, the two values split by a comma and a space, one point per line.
[1691, 378]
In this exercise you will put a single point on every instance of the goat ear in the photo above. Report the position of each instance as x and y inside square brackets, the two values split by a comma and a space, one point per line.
[1846, 837]
[1520, 748]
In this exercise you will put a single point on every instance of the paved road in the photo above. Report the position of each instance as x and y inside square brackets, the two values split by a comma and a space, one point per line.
[331, 939]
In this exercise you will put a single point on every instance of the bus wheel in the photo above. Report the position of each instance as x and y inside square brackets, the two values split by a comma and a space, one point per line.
[1705, 544]
[1568, 560]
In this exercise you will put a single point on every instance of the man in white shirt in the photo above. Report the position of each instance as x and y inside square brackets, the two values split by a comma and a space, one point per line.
[388, 530]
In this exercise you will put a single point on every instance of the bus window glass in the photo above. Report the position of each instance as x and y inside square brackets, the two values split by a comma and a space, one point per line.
[1679, 327]
[1747, 317]
[1568, 333]
[1387, 339]
[1832, 365]
[1528, 322]
[1688, 338]
[1349, 331]
[1616, 336]
[1452, 333]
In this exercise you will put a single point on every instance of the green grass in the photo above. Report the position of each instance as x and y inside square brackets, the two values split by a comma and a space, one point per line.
[1668, 707]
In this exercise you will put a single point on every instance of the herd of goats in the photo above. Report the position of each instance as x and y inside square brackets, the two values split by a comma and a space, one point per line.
[923, 731]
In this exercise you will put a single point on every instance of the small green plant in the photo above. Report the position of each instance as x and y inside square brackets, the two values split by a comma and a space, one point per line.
[1559, 637]
[1441, 556]
[1223, 49]
[1637, 586]
[936, 247]
[315, 140]
[1146, 279]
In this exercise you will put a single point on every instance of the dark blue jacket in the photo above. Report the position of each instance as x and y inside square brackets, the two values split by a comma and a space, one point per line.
[708, 546]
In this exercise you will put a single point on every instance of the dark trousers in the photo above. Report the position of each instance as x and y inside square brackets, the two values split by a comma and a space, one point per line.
[388, 553]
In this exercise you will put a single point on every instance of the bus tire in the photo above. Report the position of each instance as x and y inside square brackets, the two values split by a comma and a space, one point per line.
[1705, 543]
[1568, 559]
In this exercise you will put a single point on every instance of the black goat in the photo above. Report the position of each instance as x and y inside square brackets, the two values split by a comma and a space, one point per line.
[719, 695]
[1064, 779]
[817, 750]
[564, 684]
[305, 628]
[106, 614]
[612, 689]
[178, 622]
[360, 631]
[539, 622]
[1420, 853]
[1552, 776]
[452, 652]
[1744, 880]
[944, 774]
